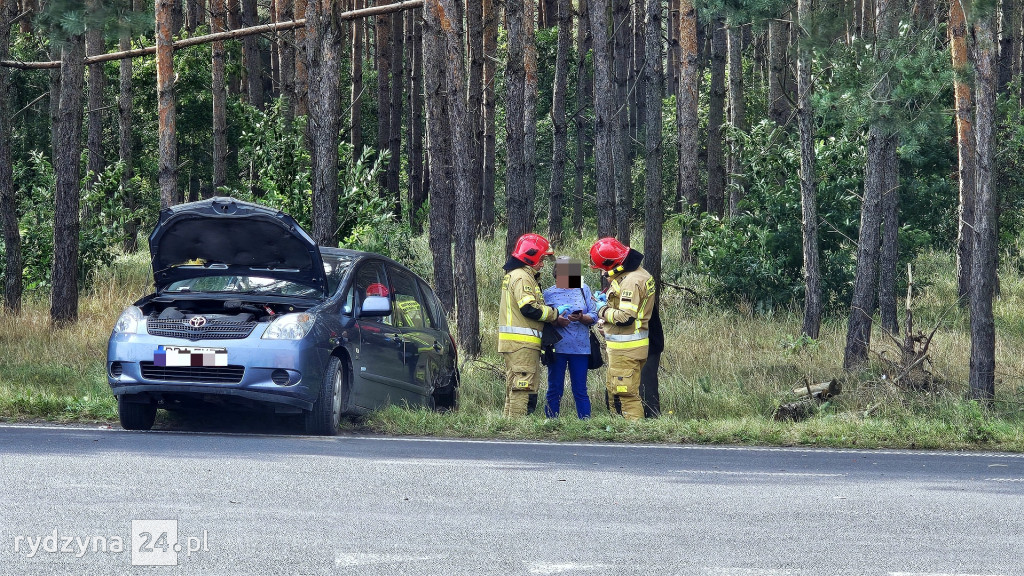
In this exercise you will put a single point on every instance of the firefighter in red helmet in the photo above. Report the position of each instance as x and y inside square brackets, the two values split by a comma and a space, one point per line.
[627, 313]
[522, 314]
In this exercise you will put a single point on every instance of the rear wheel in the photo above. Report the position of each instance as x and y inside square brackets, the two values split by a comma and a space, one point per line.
[447, 397]
[135, 415]
[331, 403]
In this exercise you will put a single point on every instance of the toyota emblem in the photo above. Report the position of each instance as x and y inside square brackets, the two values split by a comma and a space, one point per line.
[197, 321]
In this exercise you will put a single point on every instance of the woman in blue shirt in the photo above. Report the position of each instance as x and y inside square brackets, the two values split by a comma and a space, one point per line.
[573, 350]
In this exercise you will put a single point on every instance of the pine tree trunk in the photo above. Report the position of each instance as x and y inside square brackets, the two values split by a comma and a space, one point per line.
[395, 112]
[808, 178]
[490, 31]
[924, 11]
[737, 117]
[639, 90]
[983, 271]
[356, 63]
[301, 74]
[383, 45]
[622, 40]
[97, 83]
[286, 53]
[1009, 40]
[584, 99]
[881, 154]
[889, 256]
[323, 49]
[779, 108]
[604, 117]
[168, 141]
[8, 199]
[219, 94]
[966, 145]
[686, 116]
[234, 10]
[416, 167]
[125, 140]
[32, 7]
[475, 38]
[516, 192]
[251, 56]
[672, 76]
[441, 196]
[66, 153]
[561, 129]
[716, 117]
[530, 110]
[192, 12]
[451, 36]
[654, 203]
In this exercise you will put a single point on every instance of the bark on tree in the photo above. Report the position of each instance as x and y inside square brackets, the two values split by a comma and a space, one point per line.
[441, 196]
[475, 39]
[490, 48]
[444, 18]
[889, 256]
[395, 112]
[8, 200]
[124, 138]
[416, 167]
[621, 42]
[584, 100]
[654, 203]
[323, 49]
[639, 99]
[219, 97]
[604, 117]
[686, 116]
[808, 177]
[1009, 40]
[924, 11]
[168, 142]
[716, 117]
[965, 151]
[383, 45]
[234, 9]
[530, 110]
[779, 108]
[881, 155]
[983, 271]
[286, 54]
[251, 56]
[66, 154]
[516, 193]
[97, 83]
[301, 74]
[356, 63]
[672, 30]
[737, 116]
[561, 129]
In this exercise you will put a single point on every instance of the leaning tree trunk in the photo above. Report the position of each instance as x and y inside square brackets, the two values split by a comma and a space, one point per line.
[125, 139]
[323, 50]
[516, 192]
[561, 129]
[621, 40]
[604, 116]
[251, 54]
[737, 117]
[168, 142]
[716, 117]
[983, 272]
[654, 203]
[441, 196]
[808, 181]
[66, 153]
[490, 16]
[97, 83]
[584, 99]
[220, 94]
[451, 36]
[686, 116]
[881, 153]
[8, 200]
[966, 151]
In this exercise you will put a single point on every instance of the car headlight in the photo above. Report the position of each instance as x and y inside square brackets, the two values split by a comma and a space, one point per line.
[290, 327]
[130, 321]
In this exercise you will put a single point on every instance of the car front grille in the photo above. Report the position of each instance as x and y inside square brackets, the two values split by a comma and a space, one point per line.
[204, 374]
[213, 330]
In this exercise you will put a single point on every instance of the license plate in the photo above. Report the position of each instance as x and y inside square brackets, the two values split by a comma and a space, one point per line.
[190, 356]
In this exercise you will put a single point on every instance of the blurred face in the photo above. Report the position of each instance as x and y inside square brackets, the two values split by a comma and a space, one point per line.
[568, 273]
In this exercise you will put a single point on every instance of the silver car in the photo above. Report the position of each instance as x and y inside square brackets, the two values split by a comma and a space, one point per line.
[250, 312]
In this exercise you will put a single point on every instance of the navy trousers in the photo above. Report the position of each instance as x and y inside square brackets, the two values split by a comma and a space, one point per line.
[577, 365]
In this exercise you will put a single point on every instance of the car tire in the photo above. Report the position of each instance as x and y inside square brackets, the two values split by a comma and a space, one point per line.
[331, 402]
[135, 415]
[447, 398]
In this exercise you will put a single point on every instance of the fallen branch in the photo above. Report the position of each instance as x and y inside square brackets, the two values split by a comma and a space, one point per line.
[219, 36]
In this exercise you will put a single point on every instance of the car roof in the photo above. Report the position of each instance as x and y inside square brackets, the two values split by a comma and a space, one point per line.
[359, 256]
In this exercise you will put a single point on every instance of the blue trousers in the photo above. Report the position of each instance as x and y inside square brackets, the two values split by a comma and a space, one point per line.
[577, 364]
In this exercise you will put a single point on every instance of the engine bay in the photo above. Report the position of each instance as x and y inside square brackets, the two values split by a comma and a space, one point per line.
[231, 310]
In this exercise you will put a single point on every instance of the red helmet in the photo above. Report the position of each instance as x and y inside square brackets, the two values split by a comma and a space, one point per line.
[377, 289]
[530, 248]
[607, 253]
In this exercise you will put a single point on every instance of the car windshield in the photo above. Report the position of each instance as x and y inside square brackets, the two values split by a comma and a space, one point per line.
[236, 284]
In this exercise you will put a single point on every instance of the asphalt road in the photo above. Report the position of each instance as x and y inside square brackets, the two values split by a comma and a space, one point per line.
[277, 504]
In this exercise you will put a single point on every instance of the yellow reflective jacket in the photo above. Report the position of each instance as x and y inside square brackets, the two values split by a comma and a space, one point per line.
[628, 312]
[519, 288]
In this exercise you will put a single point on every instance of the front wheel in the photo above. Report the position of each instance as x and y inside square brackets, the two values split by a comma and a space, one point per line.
[331, 402]
[135, 415]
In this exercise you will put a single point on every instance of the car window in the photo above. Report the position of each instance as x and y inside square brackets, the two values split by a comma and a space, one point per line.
[431, 318]
[409, 312]
[370, 280]
[335, 268]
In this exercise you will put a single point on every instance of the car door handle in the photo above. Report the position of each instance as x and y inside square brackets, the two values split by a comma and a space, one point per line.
[437, 346]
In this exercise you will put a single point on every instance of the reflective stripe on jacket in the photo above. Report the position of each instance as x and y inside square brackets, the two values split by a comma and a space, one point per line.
[630, 299]
[518, 289]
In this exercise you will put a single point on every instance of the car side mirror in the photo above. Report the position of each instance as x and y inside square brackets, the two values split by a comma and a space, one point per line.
[375, 307]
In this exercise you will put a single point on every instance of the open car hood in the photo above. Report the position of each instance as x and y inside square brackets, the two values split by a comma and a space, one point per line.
[223, 236]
